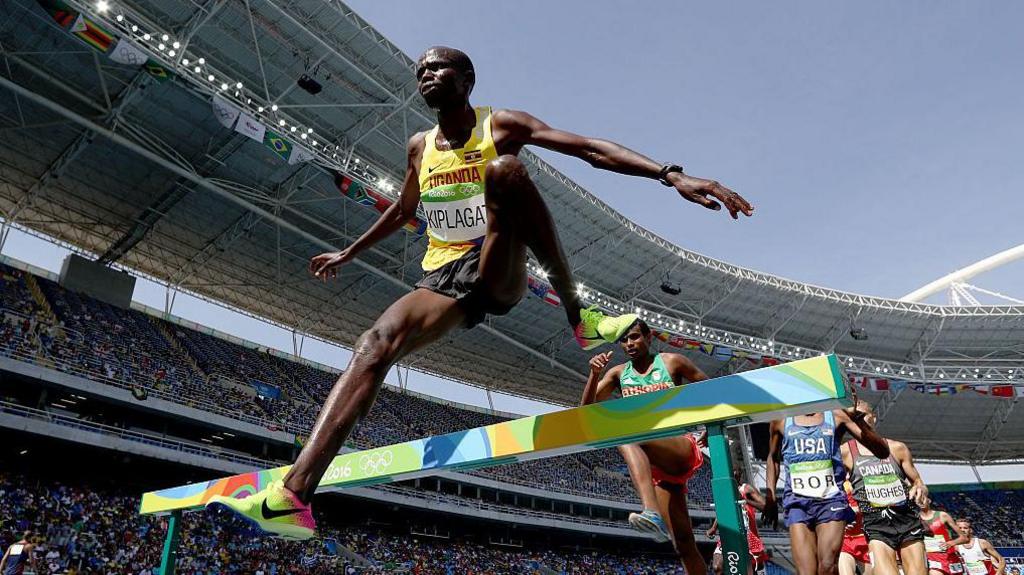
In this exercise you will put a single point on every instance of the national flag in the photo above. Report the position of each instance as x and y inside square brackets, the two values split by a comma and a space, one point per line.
[277, 144]
[722, 353]
[127, 53]
[416, 226]
[708, 348]
[536, 286]
[299, 155]
[769, 361]
[1002, 391]
[472, 156]
[552, 298]
[879, 384]
[158, 71]
[92, 34]
[250, 126]
[662, 336]
[225, 112]
[691, 344]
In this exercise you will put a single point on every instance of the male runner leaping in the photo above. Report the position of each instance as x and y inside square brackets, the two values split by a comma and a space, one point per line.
[816, 508]
[978, 554]
[483, 213]
[659, 468]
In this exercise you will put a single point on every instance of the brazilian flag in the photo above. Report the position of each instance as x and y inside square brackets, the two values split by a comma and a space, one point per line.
[158, 71]
[278, 144]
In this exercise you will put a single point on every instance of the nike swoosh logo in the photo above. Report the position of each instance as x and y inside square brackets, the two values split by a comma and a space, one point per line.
[836, 508]
[915, 532]
[270, 514]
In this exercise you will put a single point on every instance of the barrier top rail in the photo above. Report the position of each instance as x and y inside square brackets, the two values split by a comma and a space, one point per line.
[802, 386]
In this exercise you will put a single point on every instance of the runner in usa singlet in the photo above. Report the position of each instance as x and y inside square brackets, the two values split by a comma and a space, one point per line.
[452, 184]
[815, 465]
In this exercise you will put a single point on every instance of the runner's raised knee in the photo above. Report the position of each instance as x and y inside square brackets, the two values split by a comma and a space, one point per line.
[503, 174]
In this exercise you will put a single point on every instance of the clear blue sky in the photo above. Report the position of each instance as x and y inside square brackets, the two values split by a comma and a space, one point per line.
[880, 142]
[877, 142]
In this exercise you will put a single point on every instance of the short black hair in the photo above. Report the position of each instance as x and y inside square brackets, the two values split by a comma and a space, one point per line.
[644, 328]
[457, 57]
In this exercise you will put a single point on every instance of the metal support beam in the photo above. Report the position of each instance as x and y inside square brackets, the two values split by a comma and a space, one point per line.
[178, 190]
[227, 195]
[1000, 415]
[887, 402]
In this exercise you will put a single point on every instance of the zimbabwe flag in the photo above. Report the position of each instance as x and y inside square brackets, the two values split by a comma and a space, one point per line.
[92, 34]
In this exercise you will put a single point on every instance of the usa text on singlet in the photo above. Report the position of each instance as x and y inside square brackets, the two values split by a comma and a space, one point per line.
[812, 459]
[452, 185]
[657, 378]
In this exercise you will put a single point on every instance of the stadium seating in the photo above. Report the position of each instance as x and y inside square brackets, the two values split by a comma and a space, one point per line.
[996, 515]
[128, 348]
[85, 529]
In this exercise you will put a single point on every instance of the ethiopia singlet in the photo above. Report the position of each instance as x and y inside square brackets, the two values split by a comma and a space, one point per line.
[974, 558]
[452, 188]
[657, 378]
[813, 461]
[878, 484]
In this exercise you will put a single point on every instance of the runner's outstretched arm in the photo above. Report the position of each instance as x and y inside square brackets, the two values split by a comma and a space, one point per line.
[682, 366]
[754, 498]
[918, 490]
[960, 539]
[987, 547]
[852, 421]
[326, 265]
[523, 129]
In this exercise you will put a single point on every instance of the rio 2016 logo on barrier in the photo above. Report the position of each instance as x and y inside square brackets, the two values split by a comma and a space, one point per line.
[732, 561]
[374, 463]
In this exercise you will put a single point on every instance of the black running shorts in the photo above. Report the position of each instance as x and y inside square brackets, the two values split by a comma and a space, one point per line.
[460, 280]
[895, 526]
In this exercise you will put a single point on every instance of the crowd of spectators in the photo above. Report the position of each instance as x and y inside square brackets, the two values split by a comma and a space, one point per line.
[995, 514]
[84, 529]
[77, 334]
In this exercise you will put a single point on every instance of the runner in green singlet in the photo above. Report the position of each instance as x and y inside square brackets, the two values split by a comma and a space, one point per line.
[659, 468]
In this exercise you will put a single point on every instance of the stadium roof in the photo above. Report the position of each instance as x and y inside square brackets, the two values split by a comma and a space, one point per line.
[113, 160]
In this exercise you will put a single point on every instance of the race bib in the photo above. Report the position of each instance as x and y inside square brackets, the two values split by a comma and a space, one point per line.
[455, 213]
[884, 490]
[977, 568]
[813, 479]
[17, 548]
[933, 544]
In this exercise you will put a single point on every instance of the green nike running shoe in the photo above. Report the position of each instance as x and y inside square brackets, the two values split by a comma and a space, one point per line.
[596, 329]
[274, 510]
[612, 329]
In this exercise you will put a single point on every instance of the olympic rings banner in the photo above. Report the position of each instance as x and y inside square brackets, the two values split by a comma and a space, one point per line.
[760, 395]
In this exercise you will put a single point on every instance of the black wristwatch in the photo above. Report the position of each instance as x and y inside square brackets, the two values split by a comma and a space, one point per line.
[666, 170]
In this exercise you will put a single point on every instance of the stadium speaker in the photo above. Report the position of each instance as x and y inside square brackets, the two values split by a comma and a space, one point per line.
[671, 288]
[859, 333]
[309, 84]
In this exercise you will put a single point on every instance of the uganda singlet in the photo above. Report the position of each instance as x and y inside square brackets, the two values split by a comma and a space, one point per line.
[657, 378]
[452, 188]
[814, 462]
